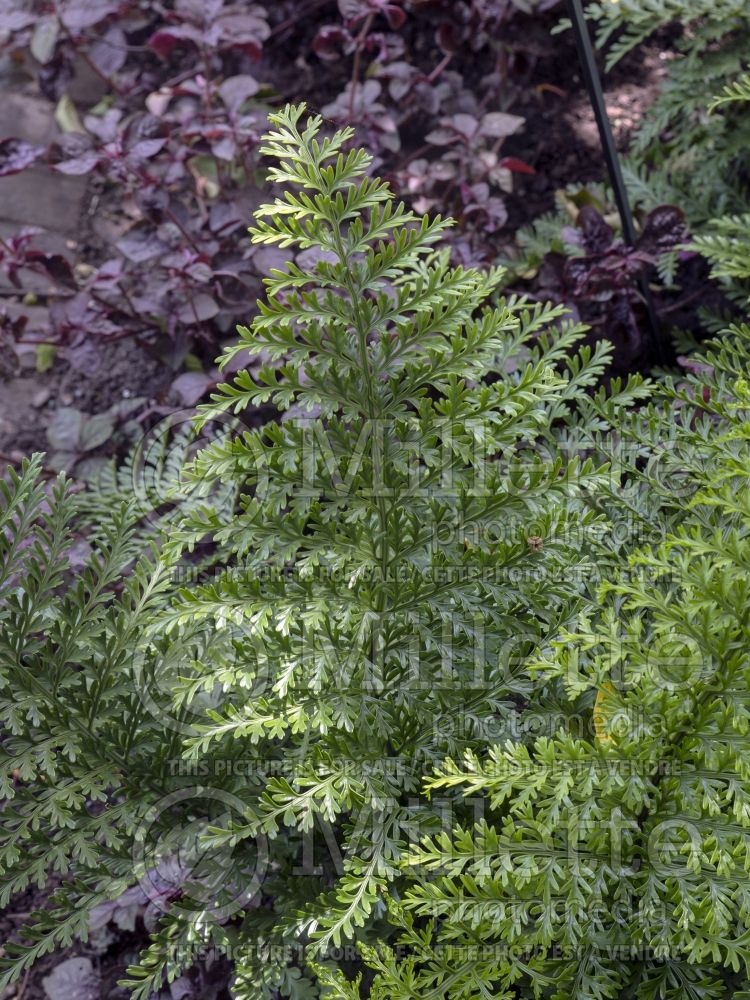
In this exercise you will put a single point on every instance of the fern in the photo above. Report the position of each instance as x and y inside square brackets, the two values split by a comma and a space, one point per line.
[637, 19]
[724, 243]
[397, 578]
[375, 572]
[375, 636]
[616, 864]
[739, 90]
[681, 153]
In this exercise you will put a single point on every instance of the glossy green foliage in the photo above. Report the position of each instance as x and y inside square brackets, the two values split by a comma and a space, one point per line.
[615, 864]
[252, 709]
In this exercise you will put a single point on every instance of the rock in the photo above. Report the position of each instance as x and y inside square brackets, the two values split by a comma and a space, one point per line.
[39, 197]
[73, 979]
[29, 118]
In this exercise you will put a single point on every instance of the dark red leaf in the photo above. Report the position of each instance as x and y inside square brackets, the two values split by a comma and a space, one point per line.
[395, 15]
[164, 40]
[575, 275]
[448, 37]
[353, 10]
[16, 20]
[243, 31]
[141, 243]
[199, 11]
[552, 275]
[110, 52]
[152, 201]
[105, 127]
[109, 273]
[198, 308]
[603, 275]
[225, 217]
[16, 155]
[499, 125]
[78, 165]
[441, 136]
[55, 76]
[597, 234]
[251, 47]
[244, 26]
[464, 124]
[146, 148]
[428, 97]
[77, 15]
[330, 41]
[516, 165]
[191, 386]
[224, 148]
[56, 266]
[162, 43]
[664, 229]
[236, 89]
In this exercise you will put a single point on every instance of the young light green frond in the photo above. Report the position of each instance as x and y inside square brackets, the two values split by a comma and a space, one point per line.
[739, 90]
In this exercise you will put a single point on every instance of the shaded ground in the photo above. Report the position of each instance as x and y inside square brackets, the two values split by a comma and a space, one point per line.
[561, 140]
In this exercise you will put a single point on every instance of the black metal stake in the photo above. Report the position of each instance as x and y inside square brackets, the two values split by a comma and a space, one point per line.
[593, 82]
